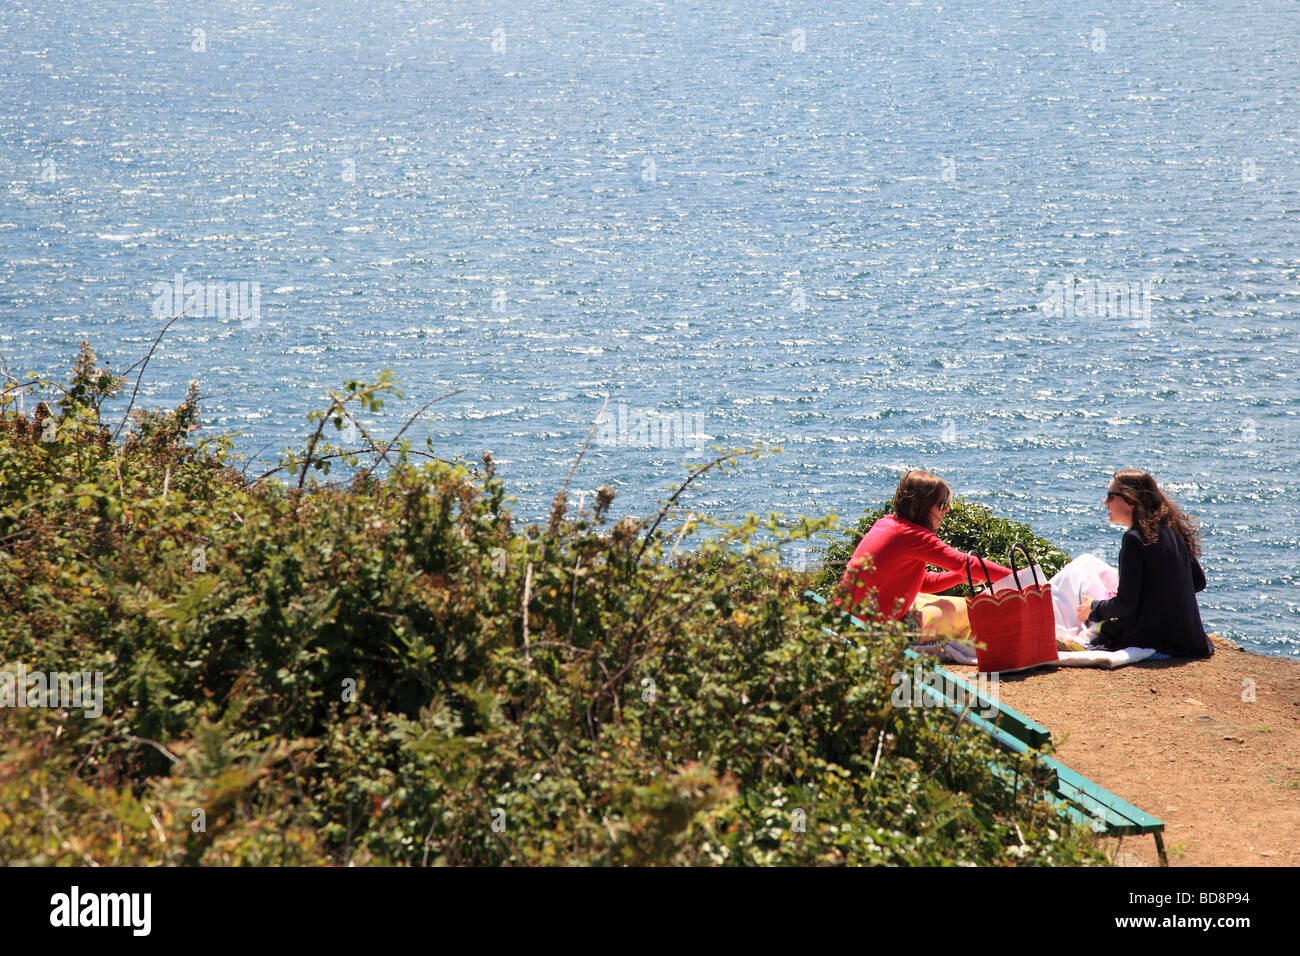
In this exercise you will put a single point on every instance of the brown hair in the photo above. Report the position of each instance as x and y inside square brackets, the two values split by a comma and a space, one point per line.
[918, 492]
[1153, 509]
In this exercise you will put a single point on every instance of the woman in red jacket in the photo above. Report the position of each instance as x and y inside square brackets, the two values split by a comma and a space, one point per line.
[888, 567]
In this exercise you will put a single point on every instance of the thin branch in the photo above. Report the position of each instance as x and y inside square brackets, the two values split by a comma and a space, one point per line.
[258, 452]
[14, 535]
[424, 860]
[663, 512]
[18, 384]
[410, 421]
[154, 744]
[528, 587]
[880, 742]
[585, 445]
[344, 454]
[374, 446]
[681, 534]
[143, 363]
[338, 402]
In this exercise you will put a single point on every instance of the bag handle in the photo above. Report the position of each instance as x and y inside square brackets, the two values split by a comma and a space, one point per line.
[986, 572]
[1029, 561]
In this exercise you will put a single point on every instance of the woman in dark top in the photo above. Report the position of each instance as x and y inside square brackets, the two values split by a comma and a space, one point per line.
[1155, 604]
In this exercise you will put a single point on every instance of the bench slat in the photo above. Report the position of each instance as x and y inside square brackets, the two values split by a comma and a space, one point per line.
[1100, 795]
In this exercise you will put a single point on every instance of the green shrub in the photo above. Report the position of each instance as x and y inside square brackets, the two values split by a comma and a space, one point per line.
[391, 672]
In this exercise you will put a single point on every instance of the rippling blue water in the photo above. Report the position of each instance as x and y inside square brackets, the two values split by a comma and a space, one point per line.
[824, 225]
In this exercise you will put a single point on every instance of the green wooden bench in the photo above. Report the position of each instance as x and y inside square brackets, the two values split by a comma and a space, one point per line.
[1072, 794]
[1109, 813]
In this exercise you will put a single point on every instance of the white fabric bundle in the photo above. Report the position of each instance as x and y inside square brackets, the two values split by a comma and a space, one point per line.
[1107, 659]
[1087, 576]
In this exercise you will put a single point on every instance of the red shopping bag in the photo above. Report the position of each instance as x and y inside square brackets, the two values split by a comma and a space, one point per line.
[1015, 628]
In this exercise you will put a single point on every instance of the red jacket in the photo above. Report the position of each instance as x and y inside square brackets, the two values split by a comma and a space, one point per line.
[899, 551]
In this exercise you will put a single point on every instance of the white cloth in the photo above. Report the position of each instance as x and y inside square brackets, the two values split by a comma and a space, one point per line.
[1107, 659]
[1087, 576]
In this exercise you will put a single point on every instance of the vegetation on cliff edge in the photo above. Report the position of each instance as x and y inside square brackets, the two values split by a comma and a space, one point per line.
[394, 672]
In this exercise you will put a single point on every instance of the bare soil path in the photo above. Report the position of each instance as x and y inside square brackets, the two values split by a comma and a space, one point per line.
[1184, 741]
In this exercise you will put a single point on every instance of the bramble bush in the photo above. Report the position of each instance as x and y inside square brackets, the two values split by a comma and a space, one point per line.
[391, 672]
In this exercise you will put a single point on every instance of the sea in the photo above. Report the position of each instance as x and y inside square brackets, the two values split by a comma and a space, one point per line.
[1019, 244]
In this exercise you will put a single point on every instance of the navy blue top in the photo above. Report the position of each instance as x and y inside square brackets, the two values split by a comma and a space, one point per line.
[1155, 605]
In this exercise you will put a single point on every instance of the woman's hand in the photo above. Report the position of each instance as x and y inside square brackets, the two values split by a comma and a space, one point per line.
[1084, 610]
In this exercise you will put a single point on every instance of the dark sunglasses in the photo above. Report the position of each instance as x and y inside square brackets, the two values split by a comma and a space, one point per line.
[1115, 494]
